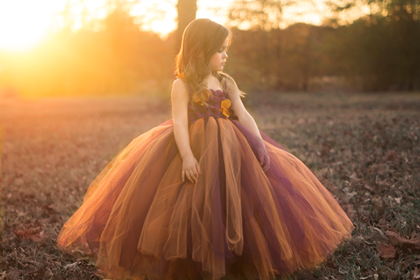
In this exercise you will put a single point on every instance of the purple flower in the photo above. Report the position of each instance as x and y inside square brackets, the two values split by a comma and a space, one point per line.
[217, 107]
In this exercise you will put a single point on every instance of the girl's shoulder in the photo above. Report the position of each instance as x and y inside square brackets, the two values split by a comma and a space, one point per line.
[180, 88]
[179, 82]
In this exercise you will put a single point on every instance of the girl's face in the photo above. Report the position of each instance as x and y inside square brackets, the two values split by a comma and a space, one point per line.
[218, 60]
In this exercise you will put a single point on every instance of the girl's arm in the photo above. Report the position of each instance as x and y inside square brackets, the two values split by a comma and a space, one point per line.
[179, 96]
[248, 121]
[244, 116]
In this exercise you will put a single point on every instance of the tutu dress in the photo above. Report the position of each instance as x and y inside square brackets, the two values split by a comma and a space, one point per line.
[138, 220]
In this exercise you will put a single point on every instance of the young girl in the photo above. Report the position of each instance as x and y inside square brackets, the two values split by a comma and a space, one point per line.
[205, 195]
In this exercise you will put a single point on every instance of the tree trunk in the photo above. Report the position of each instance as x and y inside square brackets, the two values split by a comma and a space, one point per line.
[187, 10]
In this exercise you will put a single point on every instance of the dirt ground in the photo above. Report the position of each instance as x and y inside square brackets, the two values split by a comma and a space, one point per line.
[364, 149]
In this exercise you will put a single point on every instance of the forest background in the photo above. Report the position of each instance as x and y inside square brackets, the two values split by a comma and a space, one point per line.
[379, 51]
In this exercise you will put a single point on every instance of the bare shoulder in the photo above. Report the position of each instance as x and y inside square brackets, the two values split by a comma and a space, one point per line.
[179, 89]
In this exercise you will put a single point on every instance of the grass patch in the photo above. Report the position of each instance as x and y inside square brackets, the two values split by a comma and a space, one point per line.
[363, 148]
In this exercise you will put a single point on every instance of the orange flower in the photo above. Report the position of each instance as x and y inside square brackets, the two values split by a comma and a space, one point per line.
[198, 100]
[224, 107]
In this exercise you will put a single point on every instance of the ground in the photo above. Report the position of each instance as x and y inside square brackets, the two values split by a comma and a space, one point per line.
[363, 147]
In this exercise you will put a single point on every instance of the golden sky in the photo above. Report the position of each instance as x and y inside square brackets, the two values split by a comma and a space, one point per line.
[25, 23]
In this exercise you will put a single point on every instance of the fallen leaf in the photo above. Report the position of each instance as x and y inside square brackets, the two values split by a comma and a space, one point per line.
[416, 274]
[377, 235]
[387, 252]
[397, 240]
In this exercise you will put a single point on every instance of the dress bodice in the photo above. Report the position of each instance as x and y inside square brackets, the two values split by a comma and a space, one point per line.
[219, 107]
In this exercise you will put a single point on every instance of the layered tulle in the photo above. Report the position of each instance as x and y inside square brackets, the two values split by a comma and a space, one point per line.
[139, 219]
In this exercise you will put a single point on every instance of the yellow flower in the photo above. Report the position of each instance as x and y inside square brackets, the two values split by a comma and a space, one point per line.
[198, 100]
[224, 107]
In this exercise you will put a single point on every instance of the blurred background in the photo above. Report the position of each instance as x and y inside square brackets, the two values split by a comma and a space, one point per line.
[127, 47]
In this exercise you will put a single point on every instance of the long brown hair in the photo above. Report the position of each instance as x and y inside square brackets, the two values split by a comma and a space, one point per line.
[201, 39]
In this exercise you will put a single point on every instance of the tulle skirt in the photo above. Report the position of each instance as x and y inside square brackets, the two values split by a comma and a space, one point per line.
[139, 220]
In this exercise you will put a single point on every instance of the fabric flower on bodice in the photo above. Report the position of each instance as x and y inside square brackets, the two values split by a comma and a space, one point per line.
[224, 107]
[198, 100]
[218, 106]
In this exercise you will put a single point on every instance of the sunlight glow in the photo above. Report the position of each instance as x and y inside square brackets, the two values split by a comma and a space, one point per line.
[25, 23]
[156, 16]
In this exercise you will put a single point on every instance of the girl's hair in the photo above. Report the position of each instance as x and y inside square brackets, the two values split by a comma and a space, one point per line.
[201, 39]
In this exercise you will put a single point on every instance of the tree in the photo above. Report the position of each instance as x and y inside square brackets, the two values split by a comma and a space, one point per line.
[262, 14]
[187, 10]
[386, 43]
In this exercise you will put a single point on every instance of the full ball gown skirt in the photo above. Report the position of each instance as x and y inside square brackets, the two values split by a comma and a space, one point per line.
[138, 220]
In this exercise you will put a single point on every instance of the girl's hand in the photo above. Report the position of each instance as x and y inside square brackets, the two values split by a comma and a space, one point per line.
[262, 155]
[265, 161]
[190, 168]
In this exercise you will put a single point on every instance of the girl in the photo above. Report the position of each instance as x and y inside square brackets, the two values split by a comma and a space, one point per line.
[205, 195]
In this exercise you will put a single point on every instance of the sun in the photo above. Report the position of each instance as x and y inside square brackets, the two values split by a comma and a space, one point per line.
[25, 23]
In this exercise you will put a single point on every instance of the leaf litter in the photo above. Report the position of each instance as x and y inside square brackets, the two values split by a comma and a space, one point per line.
[369, 159]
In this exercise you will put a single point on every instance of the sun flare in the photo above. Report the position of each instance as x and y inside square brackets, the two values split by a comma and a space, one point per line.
[24, 23]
